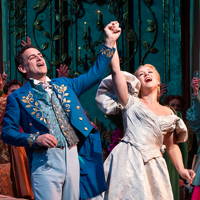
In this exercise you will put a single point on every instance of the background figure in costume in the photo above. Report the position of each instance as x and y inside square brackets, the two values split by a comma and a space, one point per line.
[118, 132]
[56, 128]
[193, 116]
[18, 176]
[135, 169]
[176, 103]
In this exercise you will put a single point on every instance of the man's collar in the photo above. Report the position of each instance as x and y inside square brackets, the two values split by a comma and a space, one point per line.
[37, 82]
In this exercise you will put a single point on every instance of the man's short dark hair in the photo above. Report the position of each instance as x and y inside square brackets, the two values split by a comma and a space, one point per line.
[9, 84]
[19, 58]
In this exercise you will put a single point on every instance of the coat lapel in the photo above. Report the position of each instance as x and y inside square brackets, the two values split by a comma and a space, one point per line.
[28, 99]
[62, 93]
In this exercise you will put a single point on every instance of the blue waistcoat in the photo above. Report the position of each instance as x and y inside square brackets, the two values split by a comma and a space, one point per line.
[44, 100]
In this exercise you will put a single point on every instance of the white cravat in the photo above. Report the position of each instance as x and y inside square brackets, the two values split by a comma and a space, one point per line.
[47, 87]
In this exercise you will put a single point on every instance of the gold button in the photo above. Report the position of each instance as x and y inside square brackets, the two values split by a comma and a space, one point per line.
[67, 110]
[80, 118]
[67, 105]
[78, 107]
[68, 101]
[66, 94]
[85, 128]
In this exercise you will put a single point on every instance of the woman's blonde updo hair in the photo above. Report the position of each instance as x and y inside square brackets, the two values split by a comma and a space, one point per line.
[153, 68]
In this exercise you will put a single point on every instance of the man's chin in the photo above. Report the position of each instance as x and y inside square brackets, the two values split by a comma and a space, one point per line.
[39, 76]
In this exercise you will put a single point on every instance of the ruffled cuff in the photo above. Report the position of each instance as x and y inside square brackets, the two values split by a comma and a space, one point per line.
[32, 139]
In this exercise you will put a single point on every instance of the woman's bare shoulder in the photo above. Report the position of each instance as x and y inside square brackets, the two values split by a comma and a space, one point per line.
[167, 110]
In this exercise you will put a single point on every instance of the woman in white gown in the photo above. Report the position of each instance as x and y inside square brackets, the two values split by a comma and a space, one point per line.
[135, 169]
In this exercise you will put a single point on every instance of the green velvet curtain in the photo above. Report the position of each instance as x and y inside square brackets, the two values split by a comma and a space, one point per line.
[194, 35]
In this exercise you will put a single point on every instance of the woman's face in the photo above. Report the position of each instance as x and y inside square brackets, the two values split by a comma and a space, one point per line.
[148, 77]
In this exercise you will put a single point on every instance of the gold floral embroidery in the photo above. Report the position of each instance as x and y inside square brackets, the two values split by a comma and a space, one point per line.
[61, 88]
[34, 105]
[107, 52]
[62, 94]
[32, 138]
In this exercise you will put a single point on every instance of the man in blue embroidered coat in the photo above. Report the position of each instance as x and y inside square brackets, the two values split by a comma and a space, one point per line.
[63, 147]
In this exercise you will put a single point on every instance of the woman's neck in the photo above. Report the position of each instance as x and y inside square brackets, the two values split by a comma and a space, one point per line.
[150, 98]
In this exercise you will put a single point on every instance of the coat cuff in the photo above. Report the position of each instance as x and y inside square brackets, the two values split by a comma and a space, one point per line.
[32, 139]
[107, 51]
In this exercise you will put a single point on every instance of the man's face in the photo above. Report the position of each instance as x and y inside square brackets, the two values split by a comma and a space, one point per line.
[34, 64]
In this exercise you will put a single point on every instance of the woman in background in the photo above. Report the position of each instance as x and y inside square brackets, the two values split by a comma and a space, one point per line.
[193, 116]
